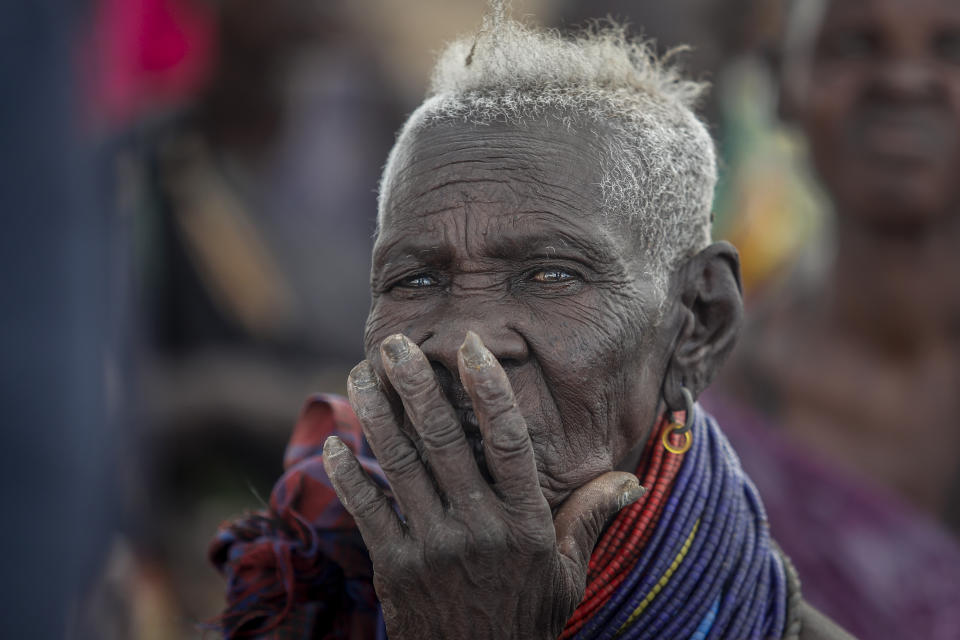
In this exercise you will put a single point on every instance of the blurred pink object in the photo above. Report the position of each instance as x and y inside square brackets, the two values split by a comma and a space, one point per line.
[145, 55]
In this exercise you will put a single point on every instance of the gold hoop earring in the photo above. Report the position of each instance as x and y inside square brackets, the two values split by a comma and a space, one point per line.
[680, 428]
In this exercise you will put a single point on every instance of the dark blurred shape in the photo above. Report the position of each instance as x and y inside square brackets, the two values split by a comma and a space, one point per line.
[60, 352]
[245, 145]
[713, 31]
[260, 194]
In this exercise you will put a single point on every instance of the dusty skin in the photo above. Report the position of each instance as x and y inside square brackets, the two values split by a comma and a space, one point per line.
[517, 352]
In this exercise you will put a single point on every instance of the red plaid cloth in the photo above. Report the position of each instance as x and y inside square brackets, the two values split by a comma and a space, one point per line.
[300, 569]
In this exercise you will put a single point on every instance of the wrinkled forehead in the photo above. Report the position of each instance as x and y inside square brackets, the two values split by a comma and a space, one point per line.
[538, 172]
[537, 158]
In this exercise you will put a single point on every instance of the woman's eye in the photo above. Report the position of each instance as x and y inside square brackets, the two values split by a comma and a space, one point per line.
[551, 276]
[417, 281]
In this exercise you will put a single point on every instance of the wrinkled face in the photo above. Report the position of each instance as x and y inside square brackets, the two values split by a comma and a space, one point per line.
[496, 229]
[882, 108]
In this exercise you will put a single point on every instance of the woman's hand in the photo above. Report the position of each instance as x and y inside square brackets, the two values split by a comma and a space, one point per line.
[469, 559]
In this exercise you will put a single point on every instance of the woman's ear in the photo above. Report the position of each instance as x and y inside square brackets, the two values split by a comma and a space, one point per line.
[711, 298]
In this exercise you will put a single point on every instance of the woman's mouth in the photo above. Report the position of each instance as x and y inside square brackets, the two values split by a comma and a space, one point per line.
[902, 136]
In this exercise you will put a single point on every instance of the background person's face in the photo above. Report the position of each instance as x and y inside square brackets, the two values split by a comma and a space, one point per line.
[882, 108]
[494, 229]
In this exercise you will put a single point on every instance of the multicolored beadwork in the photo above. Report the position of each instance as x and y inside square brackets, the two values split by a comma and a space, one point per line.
[693, 558]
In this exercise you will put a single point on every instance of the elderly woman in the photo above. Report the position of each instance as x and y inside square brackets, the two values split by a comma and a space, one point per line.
[546, 305]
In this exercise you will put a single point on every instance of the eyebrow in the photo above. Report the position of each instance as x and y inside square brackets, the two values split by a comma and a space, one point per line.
[538, 245]
[405, 249]
[514, 248]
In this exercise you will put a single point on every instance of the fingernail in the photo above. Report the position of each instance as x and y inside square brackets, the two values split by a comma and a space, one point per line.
[333, 446]
[475, 355]
[632, 491]
[362, 377]
[396, 348]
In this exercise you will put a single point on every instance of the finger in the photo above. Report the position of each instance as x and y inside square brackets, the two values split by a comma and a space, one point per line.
[584, 514]
[397, 455]
[448, 453]
[360, 495]
[506, 442]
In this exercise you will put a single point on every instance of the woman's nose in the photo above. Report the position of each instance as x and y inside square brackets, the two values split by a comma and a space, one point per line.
[505, 343]
[905, 78]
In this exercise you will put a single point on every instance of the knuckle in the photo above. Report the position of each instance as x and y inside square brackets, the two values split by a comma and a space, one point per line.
[415, 381]
[368, 504]
[495, 393]
[489, 540]
[399, 458]
[509, 437]
[373, 414]
[435, 416]
[439, 428]
[359, 497]
[445, 545]
[444, 439]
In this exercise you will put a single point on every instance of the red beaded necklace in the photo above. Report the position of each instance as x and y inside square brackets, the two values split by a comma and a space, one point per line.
[620, 545]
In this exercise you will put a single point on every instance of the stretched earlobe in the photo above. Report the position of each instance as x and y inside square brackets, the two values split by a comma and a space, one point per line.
[712, 311]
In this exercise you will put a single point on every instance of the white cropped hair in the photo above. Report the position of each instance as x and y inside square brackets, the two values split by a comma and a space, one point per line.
[659, 166]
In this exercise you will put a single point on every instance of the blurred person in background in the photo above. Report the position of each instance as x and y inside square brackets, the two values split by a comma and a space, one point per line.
[855, 357]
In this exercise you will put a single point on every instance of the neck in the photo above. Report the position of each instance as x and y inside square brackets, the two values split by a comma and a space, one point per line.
[896, 289]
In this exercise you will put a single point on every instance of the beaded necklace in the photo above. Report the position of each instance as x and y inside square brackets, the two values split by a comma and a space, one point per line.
[693, 558]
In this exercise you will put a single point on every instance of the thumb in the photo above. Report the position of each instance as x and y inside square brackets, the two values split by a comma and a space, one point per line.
[583, 515]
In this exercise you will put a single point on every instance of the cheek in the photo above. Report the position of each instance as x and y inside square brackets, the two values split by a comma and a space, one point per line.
[833, 92]
[825, 124]
[388, 317]
[826, 115]
[594, 373]
[383, 321]
[599, 420]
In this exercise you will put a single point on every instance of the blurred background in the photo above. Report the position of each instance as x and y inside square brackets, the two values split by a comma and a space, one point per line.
[189, 195]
